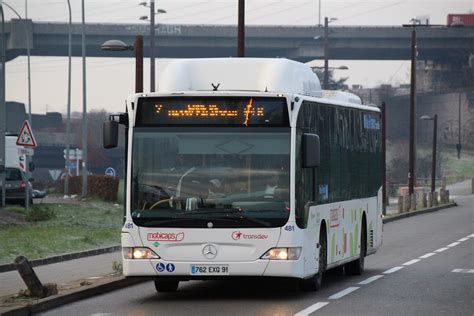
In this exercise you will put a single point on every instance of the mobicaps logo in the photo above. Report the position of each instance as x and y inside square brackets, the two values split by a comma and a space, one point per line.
[236, 235]
[159, 236]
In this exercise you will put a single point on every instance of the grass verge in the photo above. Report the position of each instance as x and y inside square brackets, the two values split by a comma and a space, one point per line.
[66, 228]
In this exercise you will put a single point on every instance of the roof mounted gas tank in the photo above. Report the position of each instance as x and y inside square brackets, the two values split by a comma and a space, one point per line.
[239, 74]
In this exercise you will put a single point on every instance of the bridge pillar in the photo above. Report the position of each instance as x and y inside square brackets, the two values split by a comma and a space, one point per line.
[20, 32]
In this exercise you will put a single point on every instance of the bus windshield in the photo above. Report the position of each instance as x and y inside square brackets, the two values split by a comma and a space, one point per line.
[210, 177]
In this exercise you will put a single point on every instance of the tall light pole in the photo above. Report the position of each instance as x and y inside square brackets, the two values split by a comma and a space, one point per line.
[152, 40]
[412, 154]
[433, 166]
[84, 106]
[68, 119]
[326, 51]
[2, 111]
[319, 13]
[27, 37]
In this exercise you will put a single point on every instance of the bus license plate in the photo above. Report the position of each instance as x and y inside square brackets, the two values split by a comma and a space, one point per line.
[209, 269]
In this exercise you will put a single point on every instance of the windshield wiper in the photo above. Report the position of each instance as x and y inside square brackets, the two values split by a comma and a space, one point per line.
[231, 213]
[148, 223]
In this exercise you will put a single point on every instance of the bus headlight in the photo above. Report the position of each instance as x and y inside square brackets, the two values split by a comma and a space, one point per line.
[139, 253]
[292, 253]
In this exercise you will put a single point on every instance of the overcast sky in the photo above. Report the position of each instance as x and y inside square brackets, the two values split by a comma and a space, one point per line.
[111, 80]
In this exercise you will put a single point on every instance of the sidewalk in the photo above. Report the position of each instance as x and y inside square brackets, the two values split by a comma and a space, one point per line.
[457, 189]
[62, 273]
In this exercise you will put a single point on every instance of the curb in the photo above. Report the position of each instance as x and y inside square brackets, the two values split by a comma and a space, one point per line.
[65, 257]
[51, 302]
[392, 218]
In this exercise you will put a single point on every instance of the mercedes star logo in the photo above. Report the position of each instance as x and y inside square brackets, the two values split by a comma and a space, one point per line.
[209, 251]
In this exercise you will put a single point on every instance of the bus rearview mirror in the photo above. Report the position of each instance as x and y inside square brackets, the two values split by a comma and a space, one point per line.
[110, 134]
[311, 150]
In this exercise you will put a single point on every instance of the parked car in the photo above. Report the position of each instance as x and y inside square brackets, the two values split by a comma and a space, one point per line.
[15, 186]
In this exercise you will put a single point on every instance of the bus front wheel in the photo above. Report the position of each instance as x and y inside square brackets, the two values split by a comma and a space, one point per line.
[166, 285]
[315, 283]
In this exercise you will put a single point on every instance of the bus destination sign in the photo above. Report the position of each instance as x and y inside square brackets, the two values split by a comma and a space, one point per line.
[235, 111]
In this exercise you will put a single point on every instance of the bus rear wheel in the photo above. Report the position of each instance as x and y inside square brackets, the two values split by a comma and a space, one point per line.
[315, 283]
[356, 267]
[166, 285]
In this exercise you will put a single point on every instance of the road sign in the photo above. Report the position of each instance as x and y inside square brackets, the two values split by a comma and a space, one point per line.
[26, 151]
[55, 173]
[74, 154]
[26, 137]
[110, 172]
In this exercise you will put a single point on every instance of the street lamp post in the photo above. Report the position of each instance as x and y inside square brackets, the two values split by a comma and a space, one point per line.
[116, 45]
[433, 166]
[84, 106]
[152, 39]
[2, 112]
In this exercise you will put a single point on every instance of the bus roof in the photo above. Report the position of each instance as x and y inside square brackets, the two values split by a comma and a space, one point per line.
[239, 74]
[244, 75]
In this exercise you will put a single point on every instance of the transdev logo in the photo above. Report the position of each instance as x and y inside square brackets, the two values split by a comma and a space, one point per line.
[236, 235]
[159, 236]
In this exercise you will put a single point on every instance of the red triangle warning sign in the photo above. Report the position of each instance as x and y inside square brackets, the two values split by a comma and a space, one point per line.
[26, 137]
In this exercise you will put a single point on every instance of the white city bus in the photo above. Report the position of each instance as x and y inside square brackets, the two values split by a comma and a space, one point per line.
[245, 167]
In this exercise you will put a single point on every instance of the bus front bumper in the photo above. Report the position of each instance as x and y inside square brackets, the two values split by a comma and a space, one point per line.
[199, 270]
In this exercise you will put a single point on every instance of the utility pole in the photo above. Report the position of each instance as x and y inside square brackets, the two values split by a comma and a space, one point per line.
[326, 54]
[241, 30]
[84, 106]
[458, 145]
[68, 119]
[152, 45]
[2, 112]
[412, 154]
[138, 47]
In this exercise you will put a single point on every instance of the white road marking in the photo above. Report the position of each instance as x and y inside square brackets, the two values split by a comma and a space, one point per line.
[441, 249]
[429, 254]
[408, 263]
[371, 279]
[454, 244]
[395, 269]
[311, 309]
[343, 293]
[463, 239]
[471, 236]
[463, 270]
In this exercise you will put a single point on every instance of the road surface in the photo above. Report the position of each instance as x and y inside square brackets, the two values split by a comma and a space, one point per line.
[425, 267]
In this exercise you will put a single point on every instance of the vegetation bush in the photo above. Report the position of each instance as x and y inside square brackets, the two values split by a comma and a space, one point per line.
[39, 213]
[101, 186]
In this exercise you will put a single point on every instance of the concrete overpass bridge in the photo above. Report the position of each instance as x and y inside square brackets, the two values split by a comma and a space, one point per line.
[445, 45]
